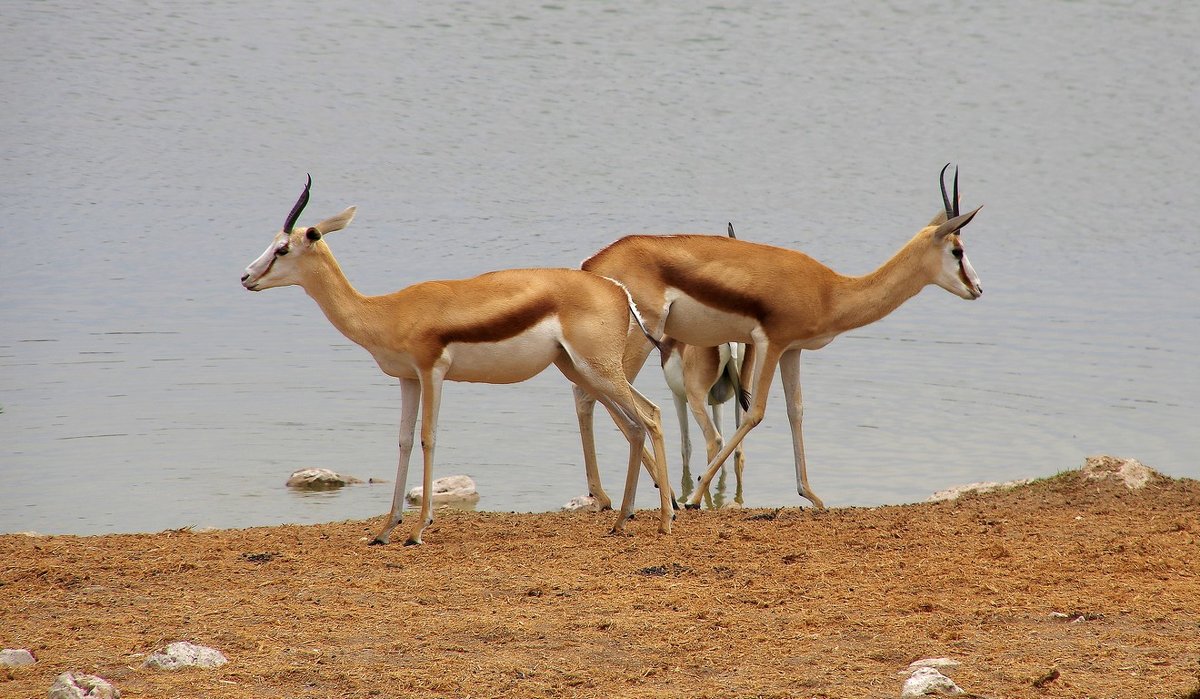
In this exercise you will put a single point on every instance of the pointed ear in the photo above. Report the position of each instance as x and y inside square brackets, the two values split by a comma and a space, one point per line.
[336, 223]
[954, 224]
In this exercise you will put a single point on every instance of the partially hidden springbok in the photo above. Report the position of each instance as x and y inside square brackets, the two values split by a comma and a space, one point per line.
[501, 327]
[705, 290]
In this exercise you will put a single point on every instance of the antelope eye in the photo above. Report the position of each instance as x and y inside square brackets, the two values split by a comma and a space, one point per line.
[283, 250]
[957, 252]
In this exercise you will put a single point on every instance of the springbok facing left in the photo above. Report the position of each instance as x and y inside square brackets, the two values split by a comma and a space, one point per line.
[500, 327]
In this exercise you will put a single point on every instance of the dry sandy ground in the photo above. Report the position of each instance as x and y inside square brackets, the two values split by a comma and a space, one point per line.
[736, 603]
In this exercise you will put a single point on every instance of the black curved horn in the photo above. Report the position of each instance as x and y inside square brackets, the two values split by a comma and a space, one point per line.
[951, 207]
[957, 202]
[302, 202]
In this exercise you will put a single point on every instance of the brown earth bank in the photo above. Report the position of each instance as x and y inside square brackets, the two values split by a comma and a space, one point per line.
[735, 603]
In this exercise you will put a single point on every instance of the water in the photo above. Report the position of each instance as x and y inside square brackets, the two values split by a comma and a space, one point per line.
[151, 150]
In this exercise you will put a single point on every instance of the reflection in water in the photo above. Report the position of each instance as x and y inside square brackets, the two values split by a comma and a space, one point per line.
[717, 496]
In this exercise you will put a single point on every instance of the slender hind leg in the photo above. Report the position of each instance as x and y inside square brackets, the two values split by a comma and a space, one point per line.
[585, 406]
[635, 416]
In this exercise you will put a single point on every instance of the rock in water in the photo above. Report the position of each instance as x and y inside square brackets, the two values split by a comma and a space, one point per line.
[319, 479]
[451, 490]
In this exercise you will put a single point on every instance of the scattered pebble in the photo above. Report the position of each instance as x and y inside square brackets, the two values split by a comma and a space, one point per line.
[16, 657]
[183, 654]
[927, 681]
[583, 503]
[71, 686]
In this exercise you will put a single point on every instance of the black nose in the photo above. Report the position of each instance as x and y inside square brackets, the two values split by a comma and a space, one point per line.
[245, 276]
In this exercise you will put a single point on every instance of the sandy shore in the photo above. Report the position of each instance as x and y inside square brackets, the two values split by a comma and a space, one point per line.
[1080, 581]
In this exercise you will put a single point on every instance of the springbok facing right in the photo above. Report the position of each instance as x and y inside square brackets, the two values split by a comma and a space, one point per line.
[705, 290]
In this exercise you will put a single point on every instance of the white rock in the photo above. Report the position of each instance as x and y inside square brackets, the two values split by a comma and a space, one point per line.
[317, 478]
[927, 681]
[447, 491]
[1133, 473]
[71, 686]
[583, 503]
[16, 657]
[183, 654]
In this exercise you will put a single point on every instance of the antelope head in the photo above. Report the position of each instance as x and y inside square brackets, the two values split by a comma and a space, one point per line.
[284, 260]
[955, 273]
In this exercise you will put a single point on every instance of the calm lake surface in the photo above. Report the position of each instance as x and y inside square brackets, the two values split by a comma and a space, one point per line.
[151, 150]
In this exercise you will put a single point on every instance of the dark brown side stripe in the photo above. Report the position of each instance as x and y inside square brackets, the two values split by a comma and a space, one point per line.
[713, 292]
[500, 327]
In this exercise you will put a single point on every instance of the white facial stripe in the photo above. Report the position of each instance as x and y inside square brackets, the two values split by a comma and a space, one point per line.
[262, 265]
[969, 272]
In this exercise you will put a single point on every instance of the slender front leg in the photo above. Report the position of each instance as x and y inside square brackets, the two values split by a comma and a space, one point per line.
[635, 431]
[585, 408]
[713, 441]
[410, 400]
[431, 399]
[766, 359]
[739, 454]
[789, 374]
[713, 449]
[736, 357]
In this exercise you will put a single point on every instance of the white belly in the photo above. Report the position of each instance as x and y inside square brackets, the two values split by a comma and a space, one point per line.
[516, 359]
[694, 323]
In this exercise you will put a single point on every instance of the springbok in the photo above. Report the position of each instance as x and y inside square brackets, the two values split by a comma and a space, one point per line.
[703, 378]
[705, 290]
[501, 327]
[705, 375]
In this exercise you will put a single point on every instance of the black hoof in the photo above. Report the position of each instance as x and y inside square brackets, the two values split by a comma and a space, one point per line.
[412, 542]
[377, 542]
[690, 506]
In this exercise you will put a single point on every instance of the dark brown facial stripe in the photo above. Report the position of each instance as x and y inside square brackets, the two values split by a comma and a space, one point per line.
[713, 292]
[500, 327]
